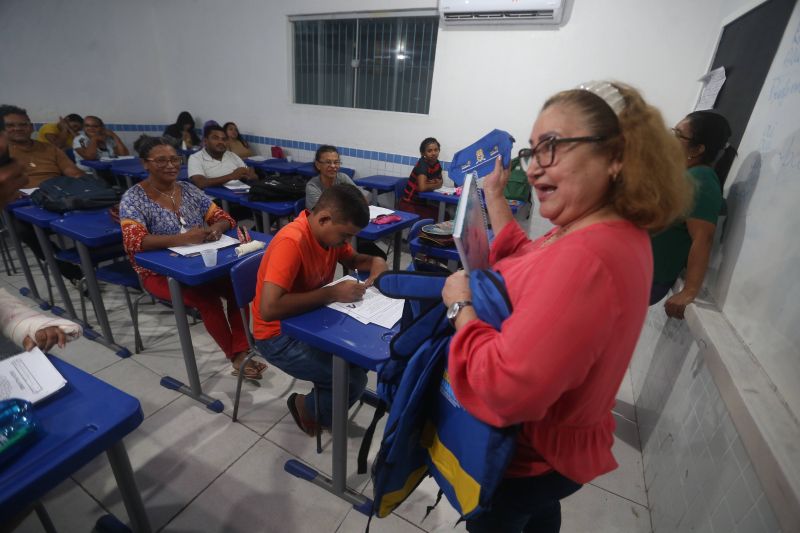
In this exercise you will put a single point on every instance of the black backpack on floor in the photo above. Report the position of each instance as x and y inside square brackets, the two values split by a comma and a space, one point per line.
[280, 189]
[62, 194]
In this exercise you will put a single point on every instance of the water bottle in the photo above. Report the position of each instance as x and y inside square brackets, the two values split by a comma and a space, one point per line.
[18, 427]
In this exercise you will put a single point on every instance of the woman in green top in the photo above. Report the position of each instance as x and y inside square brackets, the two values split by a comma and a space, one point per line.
[704, 136]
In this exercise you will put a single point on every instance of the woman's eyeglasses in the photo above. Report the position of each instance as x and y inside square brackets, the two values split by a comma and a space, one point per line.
[163, 162]
[545, 150]
[679, 134]
[336, 163]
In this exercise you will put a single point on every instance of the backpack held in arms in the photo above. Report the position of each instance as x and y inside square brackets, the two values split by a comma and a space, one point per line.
[283, 188]
[62, 194]
[428, 431]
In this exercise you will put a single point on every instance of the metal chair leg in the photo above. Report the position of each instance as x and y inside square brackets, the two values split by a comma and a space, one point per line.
[44, 518]
[240, 378]
[316, 417]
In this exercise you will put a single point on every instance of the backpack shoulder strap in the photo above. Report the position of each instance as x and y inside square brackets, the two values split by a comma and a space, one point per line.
[411, 285]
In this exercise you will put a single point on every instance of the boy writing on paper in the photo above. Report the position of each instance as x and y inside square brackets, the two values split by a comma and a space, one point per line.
[299, 261]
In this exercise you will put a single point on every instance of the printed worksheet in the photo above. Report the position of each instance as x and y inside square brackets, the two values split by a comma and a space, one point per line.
[375, 308]
[29, 376]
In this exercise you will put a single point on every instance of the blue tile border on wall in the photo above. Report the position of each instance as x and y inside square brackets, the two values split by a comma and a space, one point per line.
[357, 153]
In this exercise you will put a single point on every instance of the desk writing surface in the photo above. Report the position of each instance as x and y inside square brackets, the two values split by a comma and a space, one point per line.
[79, 422]
[92, 228]
[223, 193]
[379, 182]
[283, 209]
[191, 270]
[96, 164]
[278, 165]
[36, 215]
[375, 231]
[365, 345]
[19, 202]
[436, 196]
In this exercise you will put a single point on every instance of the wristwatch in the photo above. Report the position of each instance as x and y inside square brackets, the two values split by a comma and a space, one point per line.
[454, 309]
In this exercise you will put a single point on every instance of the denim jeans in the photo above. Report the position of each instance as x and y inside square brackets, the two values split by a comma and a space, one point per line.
[305, 362]
[525, 504]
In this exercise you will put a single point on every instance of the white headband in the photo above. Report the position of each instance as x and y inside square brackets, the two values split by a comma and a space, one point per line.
[607, 92]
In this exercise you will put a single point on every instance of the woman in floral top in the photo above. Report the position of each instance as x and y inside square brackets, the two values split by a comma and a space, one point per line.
[161, 212]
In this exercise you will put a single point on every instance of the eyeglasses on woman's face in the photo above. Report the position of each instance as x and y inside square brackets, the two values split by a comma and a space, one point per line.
[545, 150]
[329, 162]
[164, 162]
[681, 136]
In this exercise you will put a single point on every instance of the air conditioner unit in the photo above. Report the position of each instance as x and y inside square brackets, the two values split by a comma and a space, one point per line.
[470, 12]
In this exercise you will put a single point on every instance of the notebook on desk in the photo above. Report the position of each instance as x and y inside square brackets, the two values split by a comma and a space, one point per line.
[470, 227]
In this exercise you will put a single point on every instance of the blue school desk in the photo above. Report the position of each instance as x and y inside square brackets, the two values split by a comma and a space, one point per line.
[281, 166]
[227, 196]
[91, 230]
[190, 271]
[288, 208]
[79, 422]
[441, 199]
[350, 341]
[378, 184]
[374, 232]
[31, 290]
[452, 199]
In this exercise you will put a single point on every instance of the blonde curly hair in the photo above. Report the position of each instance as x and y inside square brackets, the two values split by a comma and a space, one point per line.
[652, 190]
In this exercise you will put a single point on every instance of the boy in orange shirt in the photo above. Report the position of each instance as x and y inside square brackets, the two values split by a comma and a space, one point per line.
[299, 261]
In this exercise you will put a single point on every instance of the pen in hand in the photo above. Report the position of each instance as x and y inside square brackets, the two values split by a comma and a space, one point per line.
[358, 277]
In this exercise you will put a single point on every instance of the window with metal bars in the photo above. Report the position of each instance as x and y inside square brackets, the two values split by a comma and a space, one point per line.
[383, 63]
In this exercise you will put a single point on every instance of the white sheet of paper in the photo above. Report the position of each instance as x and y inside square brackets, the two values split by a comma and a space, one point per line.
[375, 308]
[376, 211]
[712, 85]
[258, 158]
[117, 158]
[237, 185]
[30, 376]
[223, 242]
[28, 191]
[446, 190]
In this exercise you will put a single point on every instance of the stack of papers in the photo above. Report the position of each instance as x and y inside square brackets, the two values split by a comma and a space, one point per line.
[117, 158]
[376, 211]
[237, 185]
[29, 376]
[374, 308]
[194, 249]
[447, 190]
[28, 191]
[257, 158]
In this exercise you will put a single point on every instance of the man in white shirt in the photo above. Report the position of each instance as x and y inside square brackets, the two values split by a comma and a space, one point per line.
[215, 164]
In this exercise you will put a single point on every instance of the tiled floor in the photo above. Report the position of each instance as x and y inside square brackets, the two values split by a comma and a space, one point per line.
[199, 471]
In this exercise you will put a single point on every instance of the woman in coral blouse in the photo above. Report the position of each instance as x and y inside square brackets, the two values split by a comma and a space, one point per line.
[606, 170]
[161, 212]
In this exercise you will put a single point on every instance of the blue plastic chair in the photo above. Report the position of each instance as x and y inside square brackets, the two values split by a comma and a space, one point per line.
[243, 279]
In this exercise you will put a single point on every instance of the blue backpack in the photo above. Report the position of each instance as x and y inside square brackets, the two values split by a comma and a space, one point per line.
[479, 156]
[428, 432]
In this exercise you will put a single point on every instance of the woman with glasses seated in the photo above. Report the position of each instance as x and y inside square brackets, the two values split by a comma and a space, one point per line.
[606, 171]
[328, 163]
[708, 156]
[160, 212]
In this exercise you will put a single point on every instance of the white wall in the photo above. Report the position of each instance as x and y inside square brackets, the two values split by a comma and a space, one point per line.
[144, 61]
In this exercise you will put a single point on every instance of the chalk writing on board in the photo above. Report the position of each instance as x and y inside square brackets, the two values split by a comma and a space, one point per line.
[783, 87]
